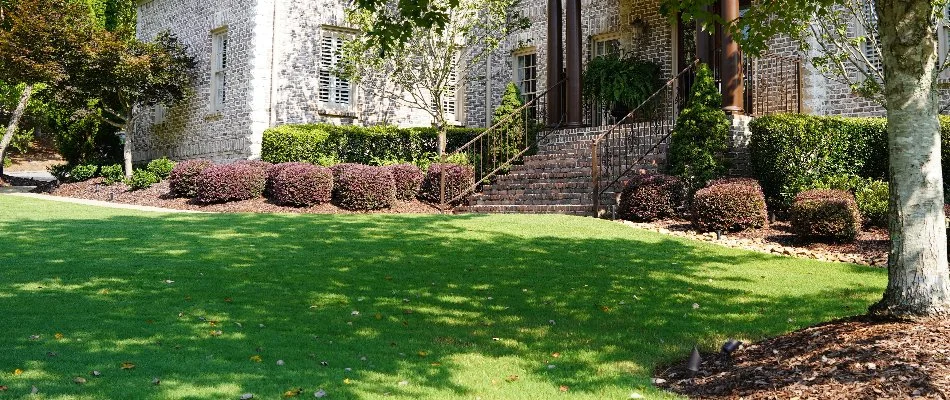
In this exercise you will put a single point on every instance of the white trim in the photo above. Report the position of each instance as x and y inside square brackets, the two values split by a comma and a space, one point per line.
[219, 68]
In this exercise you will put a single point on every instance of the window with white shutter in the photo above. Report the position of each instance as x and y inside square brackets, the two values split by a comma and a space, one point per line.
[334, 92]
[219, 69]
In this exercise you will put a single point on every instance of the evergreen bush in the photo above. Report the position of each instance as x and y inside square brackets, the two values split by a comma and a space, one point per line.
[510, 135]
[826, 214]
[142, 179]
[112, 173]
[729, 207]
[161, 167]
[700, 139]
[83, 172]
[302, 185]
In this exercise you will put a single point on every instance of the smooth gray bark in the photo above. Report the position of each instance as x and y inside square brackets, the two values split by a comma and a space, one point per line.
[919, 279]
[14, 122]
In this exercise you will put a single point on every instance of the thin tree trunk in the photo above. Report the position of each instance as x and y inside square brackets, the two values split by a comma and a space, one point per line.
[14, 122]
[918, 276]
[127, 147]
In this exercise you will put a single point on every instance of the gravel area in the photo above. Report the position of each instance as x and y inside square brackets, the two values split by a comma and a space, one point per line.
[870, 248]
[856, 358]
[158, 196]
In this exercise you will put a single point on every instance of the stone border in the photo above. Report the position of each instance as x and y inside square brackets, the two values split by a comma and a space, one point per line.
[99, 203]
[762, 246]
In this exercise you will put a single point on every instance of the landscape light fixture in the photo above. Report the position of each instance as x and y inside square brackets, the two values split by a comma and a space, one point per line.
[730, 346]
[638, 28]
[694, 360]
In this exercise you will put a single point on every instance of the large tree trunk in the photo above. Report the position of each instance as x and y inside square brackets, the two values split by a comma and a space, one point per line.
[14, 122]
[919, 279]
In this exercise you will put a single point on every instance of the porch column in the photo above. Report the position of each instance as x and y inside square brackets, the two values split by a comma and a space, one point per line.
[704, 43]
[555, 98]
[575, 107]
[731, 61]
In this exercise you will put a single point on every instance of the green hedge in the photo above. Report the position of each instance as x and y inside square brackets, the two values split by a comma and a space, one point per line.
[789, 152]
[329, 144]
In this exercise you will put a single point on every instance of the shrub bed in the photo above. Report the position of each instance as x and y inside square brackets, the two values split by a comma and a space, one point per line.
[729, 207]
[408, 179]
[457, 179]
[112, 173]
[871, 195]
[364, 187]
[324, 143]
[300, 184]
[142, 179]
[83, 172]
[183, 179]
[826, 214]
[647, 198]
[161, 167]
[231, 182]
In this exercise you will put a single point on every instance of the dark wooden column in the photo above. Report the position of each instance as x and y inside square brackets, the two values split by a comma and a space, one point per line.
[575, 107]
[704, 43]
[731, 61]
[555, 98]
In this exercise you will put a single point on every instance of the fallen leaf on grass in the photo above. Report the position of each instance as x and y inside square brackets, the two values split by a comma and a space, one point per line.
[17, 372]
[156, 381]
[555, 354]
[247, 396]
[128, 365]
[96, 373]
[423, 354]
[280, 363]
[79, 380]
[256, 358]
[228, 300]
[59, 336]
[347, 381]
[511, 378]
[3, 388]
[216, 333]
[34, 390]
[293, 392]
[564, 388]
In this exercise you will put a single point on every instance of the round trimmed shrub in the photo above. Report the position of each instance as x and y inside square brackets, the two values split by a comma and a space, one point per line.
[112, 173]
[301, 184]
[651, 197]
[751, 182]
[338, 170]
[408, 179]
[457, 178]
[230, 182]
[83, 172]
[729, 207]
[274, 170]
[183, 180]
[142, 179]
[362, 187]
[261, 165]
[826, 214]
[161, 167]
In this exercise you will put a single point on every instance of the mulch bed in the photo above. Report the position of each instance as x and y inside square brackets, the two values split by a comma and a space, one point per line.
[870, 248]
[158, 196]
[856, 358]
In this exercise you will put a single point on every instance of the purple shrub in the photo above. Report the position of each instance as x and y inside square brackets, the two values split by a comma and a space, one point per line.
[457, 179]
[651, 197]
[302, 185]
[826, 215]
[362, 187]
[274, 170]
[729, 207]
[408, 179]
[183, 179]
[231, 182]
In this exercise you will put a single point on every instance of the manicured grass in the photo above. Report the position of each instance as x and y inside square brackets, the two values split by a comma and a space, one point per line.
[448, 306]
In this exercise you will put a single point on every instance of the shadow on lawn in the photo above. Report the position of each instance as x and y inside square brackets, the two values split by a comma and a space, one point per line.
[438, 298]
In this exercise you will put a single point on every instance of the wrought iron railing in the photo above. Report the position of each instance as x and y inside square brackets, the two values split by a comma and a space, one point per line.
[626, 145]
[773, 84]
[504, 144]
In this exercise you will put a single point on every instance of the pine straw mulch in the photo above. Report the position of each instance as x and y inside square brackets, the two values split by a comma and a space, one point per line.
[158, 196]
[855, 358]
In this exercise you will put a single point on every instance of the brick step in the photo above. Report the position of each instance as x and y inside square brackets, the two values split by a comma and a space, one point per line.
[516, 195]
[546, 176]
[582, 210]
[528, 186]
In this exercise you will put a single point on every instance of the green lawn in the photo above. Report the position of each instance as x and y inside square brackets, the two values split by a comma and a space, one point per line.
[407, 306]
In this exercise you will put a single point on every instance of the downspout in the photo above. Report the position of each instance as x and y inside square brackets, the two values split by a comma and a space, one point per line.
[273, 67]
[488, 88]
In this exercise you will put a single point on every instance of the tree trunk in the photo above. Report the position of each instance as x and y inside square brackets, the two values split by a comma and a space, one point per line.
[918, 276]
[127, 147]
[443, 139]
[14, 122]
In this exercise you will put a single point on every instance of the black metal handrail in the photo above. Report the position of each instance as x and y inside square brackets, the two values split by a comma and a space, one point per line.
[619, 165]
[488, 146]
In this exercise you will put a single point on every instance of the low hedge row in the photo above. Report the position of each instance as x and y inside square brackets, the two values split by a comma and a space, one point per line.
[142, 178]
[790, 152]
[326, 144]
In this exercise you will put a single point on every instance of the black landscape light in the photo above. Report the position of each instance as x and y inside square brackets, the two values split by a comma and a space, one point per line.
[718, 234]
[730, 346]
[694, 360]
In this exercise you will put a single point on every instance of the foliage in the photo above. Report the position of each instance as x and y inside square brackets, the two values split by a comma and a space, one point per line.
[230, 182]
[458, 178]
[789, 153]
[364, 187]
[142, 179]
[22, 139]
[424, 76]
[511, 135]
[112, 173]
[338, 171]
[651, 197]
[379, 145]
[60, 171]
[700, 139]
[85, 139]
[275, 170]
[183, 180]
[871, 195]
[621, 82]
[161, 167]
[826, 214]
[729, 207]
[83, 172]
[281, 271]
[408, 179]
[299, 184]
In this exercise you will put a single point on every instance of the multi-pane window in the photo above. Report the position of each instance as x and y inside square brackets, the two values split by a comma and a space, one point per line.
[871, 51]
[526, 76]
[334, 92]
[219, 69]
[606, 47]
[450, 96]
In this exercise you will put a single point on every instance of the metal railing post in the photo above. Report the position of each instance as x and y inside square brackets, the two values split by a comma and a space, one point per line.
[595, 175]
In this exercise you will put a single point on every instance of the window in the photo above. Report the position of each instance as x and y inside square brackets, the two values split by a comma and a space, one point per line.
[871, 51]
[334, 92]
[219, 69]
[450, 96]
[943, 38]
[526, 75]
[606, 46]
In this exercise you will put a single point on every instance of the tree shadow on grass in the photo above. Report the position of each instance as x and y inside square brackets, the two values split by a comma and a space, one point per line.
[415, 306]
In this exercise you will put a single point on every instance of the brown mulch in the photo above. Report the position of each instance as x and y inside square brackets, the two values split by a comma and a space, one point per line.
[158, 196]
[872, 244]
[857, 358]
